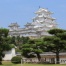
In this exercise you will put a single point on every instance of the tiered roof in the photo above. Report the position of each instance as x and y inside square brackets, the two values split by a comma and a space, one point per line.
[43, 10]
[14, 24]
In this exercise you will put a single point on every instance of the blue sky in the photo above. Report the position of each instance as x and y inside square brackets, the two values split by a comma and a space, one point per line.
[22, 11]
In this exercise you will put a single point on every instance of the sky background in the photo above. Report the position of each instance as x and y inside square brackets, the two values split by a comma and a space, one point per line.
[22, 11]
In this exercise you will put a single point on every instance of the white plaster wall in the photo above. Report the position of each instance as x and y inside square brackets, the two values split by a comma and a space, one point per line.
[62, 60]
[9, 54]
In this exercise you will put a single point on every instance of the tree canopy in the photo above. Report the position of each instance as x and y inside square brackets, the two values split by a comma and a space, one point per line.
[4, 42]
[32, 48]
[56, 43]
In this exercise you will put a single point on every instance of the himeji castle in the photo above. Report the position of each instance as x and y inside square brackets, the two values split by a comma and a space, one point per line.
[41, 23]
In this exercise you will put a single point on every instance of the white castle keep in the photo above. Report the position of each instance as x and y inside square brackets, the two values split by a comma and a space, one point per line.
[37, 28]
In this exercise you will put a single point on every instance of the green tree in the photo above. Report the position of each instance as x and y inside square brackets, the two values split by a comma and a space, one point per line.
[21, 40]
[25, 39]
[56, 43]
[18, 41]
[31, 48]
[4, 42]
[13, 40]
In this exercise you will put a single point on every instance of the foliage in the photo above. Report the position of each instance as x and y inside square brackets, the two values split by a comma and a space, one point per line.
[13, 40]
[56, 43]
[32, 47]
[4, 42]
[18, 50]
[16, 60]
[25, 39]
[18, 41]
[12, 46]
[56, 31]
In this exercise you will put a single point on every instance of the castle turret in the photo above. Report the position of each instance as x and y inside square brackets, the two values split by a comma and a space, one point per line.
[13, 26]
